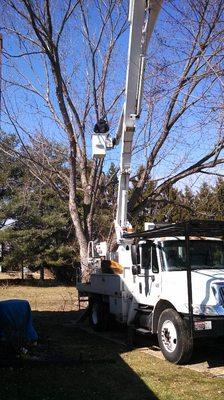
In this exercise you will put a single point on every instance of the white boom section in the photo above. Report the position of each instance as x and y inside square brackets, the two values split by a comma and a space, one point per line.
[142, 18]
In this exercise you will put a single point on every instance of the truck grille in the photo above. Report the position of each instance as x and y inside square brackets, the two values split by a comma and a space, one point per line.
[218, 290]
[221, 295]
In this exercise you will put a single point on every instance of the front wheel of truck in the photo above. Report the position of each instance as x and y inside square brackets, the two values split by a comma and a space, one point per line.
[174, 337]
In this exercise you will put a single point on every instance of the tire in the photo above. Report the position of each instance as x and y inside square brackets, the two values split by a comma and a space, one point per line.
[174, 337]
[99, 314]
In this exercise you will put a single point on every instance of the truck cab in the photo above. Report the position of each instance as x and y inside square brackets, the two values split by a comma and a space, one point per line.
[162, 266]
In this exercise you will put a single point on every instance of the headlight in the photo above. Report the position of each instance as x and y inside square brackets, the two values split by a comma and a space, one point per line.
[205, 310]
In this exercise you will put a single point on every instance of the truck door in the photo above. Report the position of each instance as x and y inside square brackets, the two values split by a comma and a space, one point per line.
[147, 280]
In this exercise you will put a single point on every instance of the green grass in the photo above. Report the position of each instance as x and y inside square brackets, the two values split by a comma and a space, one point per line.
[83, 366]
[169, 381]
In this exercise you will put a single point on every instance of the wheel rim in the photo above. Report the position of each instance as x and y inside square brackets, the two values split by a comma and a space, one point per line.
[94, 314]
[169, 336]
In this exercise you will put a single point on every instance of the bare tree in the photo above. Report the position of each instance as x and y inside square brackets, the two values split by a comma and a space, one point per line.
[66, 67]
[43, 34]
[185, 98]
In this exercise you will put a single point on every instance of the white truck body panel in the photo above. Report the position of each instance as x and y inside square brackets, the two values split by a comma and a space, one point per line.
[148, 288]
[174, 288]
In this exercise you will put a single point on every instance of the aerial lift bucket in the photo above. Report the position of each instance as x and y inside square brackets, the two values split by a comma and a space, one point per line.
[99, 145]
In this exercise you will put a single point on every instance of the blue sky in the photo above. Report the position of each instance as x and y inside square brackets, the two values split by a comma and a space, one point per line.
[191, 137]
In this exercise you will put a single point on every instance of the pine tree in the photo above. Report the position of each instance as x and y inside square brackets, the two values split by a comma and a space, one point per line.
[41, 231]
[205, 202]
[219, 198]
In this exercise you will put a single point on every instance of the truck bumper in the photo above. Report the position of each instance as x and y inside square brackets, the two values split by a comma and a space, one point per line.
[208, 326]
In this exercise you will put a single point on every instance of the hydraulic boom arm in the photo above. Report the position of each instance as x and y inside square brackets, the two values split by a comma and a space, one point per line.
[142, 18]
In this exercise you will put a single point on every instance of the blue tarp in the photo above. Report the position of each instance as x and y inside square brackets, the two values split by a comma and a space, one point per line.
[16, 321]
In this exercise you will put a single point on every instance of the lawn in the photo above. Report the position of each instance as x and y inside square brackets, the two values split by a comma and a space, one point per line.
[74, 364]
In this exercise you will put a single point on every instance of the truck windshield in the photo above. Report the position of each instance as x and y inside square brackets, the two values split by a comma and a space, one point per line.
[204, 254]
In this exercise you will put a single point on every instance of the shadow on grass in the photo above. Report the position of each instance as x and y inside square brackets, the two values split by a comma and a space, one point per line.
[210, 351]
[206, 350]
[70, 363]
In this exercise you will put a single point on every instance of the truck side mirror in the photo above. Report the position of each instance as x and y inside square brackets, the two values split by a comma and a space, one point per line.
[135, 256]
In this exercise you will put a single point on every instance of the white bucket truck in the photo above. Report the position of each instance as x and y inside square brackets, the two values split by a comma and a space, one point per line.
[169, 279]
[169, 283]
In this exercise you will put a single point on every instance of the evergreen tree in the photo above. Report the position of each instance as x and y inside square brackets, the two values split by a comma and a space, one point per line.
[41, 231]
[188, 200]
[204, 202]
[218, 199]
[10, 175]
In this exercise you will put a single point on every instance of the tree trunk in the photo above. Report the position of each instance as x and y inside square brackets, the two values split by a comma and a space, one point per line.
[81, 238]
[85, 268]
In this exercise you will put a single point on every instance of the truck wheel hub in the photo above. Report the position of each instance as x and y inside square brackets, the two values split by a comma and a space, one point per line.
[169, 336]
[95, 315]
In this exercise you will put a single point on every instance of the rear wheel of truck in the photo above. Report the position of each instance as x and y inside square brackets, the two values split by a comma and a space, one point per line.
[98, 315]
[174, 337]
